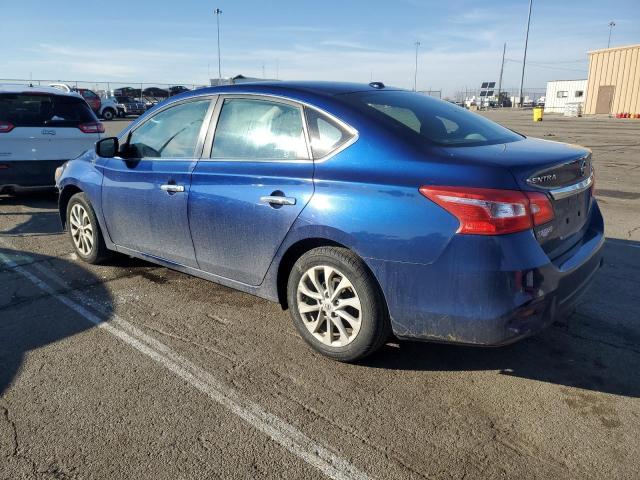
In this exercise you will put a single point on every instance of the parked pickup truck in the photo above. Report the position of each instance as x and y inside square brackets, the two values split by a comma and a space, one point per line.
[129, 106]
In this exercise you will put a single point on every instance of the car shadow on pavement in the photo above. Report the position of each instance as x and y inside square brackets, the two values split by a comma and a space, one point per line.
[41, 215]
[597, 348]
[31, 317]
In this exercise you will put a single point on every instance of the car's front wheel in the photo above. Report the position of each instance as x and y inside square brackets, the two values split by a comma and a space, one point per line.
[108, 114]
[336, 304]
[84, 230]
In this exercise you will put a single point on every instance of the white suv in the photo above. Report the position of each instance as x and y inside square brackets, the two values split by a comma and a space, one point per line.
[40, 129]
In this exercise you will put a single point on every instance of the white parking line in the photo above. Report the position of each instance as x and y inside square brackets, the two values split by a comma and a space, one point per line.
[276, 428]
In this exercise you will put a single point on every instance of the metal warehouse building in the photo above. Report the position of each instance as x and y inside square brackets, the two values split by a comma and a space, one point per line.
[563, 92]
[614, 81]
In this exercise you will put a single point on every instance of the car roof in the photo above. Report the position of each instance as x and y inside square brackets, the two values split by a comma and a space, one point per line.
[313, 87]
[19, 88]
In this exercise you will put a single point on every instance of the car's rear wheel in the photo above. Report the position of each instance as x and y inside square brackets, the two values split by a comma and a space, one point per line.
[336, 304]
[84, 230]
[108, 114]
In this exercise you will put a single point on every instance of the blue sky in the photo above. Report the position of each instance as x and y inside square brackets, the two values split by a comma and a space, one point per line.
[175, 42]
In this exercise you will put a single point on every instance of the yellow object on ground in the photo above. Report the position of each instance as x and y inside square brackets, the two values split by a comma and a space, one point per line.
[537, 114]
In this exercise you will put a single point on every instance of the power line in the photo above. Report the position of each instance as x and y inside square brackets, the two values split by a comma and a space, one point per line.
[549, 67]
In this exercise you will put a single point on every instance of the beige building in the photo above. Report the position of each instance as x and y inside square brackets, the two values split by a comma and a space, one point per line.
[613, 85]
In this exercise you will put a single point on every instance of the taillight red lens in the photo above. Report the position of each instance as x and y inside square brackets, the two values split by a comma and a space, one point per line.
[486, 211]
[93, 127]
[5, 127]
[541, 208]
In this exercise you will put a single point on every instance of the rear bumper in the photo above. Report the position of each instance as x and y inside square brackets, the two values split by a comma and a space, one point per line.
[28, 173]
[489, 290]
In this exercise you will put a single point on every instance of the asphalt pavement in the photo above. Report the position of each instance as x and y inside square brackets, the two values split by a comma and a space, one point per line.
[130, 371]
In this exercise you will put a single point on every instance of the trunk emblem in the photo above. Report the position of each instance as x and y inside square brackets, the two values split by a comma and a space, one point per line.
[583, 167]
[543, 178]
[48, 132]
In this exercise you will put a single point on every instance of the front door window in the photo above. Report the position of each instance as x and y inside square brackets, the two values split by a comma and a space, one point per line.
[172, 133]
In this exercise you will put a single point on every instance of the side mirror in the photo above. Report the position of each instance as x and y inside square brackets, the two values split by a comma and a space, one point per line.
[107, 147]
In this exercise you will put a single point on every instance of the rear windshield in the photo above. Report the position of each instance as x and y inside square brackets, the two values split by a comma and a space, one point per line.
[426, 118]
[39, 110]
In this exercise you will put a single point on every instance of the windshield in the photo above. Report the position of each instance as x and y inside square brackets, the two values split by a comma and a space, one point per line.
[426, 118]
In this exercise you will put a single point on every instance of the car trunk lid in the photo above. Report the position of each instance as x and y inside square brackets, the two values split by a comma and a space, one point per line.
[562, 171]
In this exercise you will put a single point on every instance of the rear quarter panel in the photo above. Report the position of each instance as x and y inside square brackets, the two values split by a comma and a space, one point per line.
[367, 198]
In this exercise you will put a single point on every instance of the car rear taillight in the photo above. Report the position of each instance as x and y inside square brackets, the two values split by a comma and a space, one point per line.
[541, 209]
[486, 211]
[5, 127]
[93, 127]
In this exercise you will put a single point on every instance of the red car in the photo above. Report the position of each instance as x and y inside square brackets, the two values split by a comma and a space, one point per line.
[91, 98]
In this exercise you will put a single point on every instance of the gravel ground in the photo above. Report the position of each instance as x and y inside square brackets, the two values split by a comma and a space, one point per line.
[130, 370]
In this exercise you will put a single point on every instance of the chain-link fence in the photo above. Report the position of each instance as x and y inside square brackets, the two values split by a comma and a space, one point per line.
[432, 93]
[508, 96]
[137, 90]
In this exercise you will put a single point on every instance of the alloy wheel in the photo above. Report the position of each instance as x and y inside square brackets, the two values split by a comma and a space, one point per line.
[81, 229]
[329, 306]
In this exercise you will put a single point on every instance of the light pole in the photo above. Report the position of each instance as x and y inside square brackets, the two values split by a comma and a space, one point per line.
[504, 50]
[217, 13]
[611, 25]
[415, 74]
[524, 58]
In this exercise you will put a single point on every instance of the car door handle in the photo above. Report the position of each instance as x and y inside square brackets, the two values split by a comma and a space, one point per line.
[278, 200]
[172, 188]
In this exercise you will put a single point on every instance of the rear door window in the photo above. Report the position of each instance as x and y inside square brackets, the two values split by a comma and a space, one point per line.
[40, 110]
[251, 129]
[326, 135]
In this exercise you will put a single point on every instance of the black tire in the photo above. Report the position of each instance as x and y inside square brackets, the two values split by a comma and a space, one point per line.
[375, 327]
[108, 114]
[98, 251]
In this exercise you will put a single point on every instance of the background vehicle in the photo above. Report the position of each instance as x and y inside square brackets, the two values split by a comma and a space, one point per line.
[91, 98]
[41, 128]
[177, 90]
[104, 106]
[363, 209]
[130, 92]
[153, 95]
[129, 106]
[108, 108]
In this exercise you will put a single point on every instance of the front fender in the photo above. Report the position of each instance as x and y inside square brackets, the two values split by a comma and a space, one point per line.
[84, 174]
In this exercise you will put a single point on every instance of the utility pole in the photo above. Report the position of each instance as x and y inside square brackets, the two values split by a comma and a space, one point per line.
[611, 25]
[217, 13]
[504, 49]
[415, 75]
[524, 58]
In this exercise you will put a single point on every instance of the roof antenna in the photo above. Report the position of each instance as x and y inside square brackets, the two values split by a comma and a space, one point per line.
[376, 84]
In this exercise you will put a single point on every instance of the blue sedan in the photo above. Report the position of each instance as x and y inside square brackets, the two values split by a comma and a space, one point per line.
[365, 210]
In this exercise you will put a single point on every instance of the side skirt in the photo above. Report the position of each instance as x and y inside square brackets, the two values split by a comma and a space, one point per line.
[258, 291]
